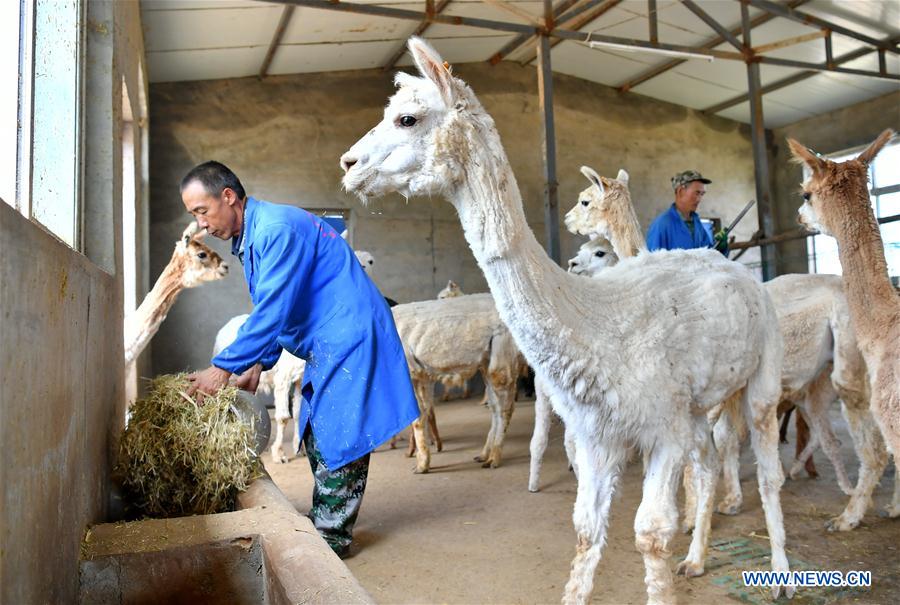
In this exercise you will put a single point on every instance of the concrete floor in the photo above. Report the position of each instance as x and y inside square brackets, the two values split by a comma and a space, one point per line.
[463, 534]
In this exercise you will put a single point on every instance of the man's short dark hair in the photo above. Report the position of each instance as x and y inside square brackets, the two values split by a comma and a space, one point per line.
[215, 177]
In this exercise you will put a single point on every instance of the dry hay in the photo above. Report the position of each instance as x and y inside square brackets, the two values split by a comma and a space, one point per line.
[178, 458]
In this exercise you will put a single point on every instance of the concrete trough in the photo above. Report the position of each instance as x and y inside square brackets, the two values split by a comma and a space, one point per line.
[263, 553]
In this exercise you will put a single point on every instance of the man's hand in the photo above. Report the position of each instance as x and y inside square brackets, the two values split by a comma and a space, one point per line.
[249, 380]
[207, 383]
[720, 241]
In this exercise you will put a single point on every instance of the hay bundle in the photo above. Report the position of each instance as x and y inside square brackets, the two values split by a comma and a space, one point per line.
[178, 458]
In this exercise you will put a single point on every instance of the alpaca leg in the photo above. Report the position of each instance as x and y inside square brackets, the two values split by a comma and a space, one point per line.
[704, 465]
[657, 518]
[600, 466]
[811, 442]
[298, 401]
[690, 500]
[494, 406]
[803, 438]
[539, 438]
[770, 476]
[785, 409]
[873, 459]
[424, 394]
[893, 509]
[728, 444]
[819, 397]
[281, 395]
[501, 414]
[432, 425]
[569, 444]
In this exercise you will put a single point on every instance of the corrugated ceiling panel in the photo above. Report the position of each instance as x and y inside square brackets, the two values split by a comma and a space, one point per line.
[481, 11]
[577, 60]
[876, 18]
[331, 57]
[155, 5]
[776, 114]
[673, 87]
[827, 91]
[465, 50]
[208, 29]
[205, 64]
[310, 25]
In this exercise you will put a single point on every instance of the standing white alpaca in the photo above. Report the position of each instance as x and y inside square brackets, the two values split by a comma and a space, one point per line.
[631, 357]
[192, 264]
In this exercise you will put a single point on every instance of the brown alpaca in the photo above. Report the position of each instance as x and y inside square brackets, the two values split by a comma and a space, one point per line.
[836, 202]
[192, 263]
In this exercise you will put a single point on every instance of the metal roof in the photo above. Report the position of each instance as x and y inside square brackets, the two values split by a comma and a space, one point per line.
[211, 39]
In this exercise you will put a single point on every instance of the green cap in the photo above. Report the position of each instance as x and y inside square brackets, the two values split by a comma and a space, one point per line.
[687, 177]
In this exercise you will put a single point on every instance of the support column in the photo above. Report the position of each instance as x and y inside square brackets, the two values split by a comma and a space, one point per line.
[551, 201]
[760, 155]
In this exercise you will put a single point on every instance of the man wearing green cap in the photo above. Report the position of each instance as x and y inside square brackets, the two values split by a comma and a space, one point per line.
[680, 226]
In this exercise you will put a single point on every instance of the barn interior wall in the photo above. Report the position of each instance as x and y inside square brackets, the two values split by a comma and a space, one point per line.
[61, 397]
[283, 136]
[836, 131]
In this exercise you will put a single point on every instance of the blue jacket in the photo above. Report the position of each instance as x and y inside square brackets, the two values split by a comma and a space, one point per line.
[312, 297]
[668, 232]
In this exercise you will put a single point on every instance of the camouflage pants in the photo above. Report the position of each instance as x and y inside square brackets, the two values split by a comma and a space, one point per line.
[337, 495]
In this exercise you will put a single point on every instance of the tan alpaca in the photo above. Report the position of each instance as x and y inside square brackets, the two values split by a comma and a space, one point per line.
[192, 263]
[836, 202]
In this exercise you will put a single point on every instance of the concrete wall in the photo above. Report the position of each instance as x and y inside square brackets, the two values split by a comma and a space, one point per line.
[283, 137]
[836, 131]
[62, 397]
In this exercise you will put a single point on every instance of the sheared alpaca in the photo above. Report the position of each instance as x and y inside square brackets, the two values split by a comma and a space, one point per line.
[624, 368]
[451, 290]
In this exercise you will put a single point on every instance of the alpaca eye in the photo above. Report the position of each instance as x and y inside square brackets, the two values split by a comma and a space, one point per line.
[585, 202]
[201, 255]
[371, 262]
[599, 253]
[407, 121]
[806, 196]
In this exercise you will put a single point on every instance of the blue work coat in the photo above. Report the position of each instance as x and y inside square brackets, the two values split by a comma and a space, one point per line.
[312, 297]
[668, 232]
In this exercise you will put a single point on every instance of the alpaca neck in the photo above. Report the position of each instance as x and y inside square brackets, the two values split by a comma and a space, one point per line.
[530, 290]
[861, 251]
[625, 235]
[143, 324]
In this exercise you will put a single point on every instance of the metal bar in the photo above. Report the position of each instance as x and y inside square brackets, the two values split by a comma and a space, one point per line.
[807, 19]
[885, 190]
[551, 202]
[564, 34]
[819, 67]
[581, 21]
[399, 13]
[829, 51]
[523, 39]
[712, 43]
[760, 153]
[764, 48]
[882, 62]
[276, 39]
[889, 219]
[652, 20]
[860, 52]
[715, 25]
[514, 10]
[421, 29]
[787, 236]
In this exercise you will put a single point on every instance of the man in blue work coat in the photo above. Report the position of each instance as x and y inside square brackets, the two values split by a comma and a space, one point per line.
[679, 227]
[312, 298]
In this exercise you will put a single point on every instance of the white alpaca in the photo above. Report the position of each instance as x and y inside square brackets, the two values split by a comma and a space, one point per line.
[451, 290]
[450, 340]
[285, 378]
[593, 256]
[631, 357]
[821, 362]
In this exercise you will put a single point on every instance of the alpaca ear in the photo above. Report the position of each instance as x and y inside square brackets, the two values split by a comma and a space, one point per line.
[431, 66]
[451, 284]
[593, 177]
[190, 232]
[872, 150]
[622, 177]
[806, 156]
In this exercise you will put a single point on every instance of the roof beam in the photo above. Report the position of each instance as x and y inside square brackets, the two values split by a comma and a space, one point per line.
[764, 48]
[515, 10]
[652, 21]
[579, 22]
[715, 25]
[431, 9]
[558, 17]
[807, 19]
[276, 40]
[712, 43]
[804, 75]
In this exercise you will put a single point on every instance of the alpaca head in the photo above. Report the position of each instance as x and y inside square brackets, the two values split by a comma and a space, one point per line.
[599, 205]
[416, 148]
[365, 258]
[197, 262]
[451, 291]
[831, 183]
[593, 256]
